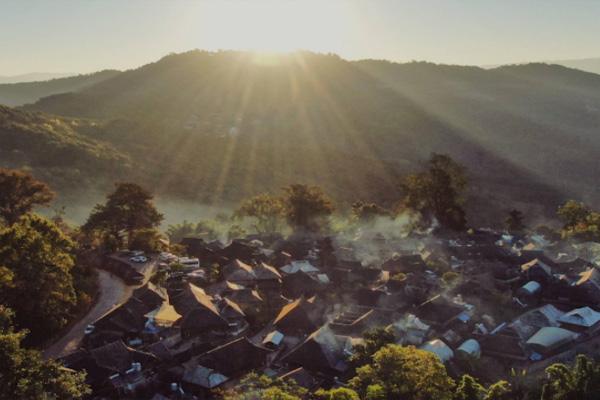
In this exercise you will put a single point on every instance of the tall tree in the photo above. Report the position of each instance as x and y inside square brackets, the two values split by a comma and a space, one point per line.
[580, 382]
[398, 372]
[514, 221]
[128, 209]
[367, 212]
[373, 340]
[38, 260]
[266, 210]
[19, 193]
[437, 192]
[24, 375]
[305, 206]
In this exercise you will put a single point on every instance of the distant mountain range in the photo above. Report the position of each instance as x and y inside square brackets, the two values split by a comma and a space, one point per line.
[16, 94]
[33, 77]
[220, 126]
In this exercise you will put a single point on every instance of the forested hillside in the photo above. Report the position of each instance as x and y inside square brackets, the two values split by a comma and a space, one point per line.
[221, 126]
[16, 94]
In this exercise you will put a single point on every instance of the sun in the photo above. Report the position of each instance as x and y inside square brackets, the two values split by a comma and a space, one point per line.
[274, 26]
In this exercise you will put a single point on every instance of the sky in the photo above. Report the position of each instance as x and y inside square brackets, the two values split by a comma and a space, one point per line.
[60, 36]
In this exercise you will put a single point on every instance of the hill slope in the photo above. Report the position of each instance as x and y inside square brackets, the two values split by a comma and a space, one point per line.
[57, 150]
[16, 94]
[218, 126]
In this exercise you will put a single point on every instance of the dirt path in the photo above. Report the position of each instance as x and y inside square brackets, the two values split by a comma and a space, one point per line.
[113, 291]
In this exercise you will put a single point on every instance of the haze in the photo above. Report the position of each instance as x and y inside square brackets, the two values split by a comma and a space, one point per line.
[63, 36]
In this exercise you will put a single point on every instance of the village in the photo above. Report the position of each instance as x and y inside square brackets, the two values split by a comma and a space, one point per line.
[484, 301]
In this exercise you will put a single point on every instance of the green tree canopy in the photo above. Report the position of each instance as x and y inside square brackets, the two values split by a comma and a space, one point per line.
[39, 257]
[373, 340]
[261, 387]
[24, 375]
[305, 206]
[437, 192]
[579, 221]
[581, 382]
[266, 211]
[337, 394]
[129, 208]
[514, 221]
[398, 372]
[19, 193]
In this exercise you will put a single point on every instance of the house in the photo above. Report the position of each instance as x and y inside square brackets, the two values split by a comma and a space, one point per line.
[439, 348]
[411, 330]
[579, 319]
[248, 300]
[537, 270]
[503, 345]
[300, 266]
[200, 314]
[303, 378]
[163, 316]
[127, 320]
[588, 286]
[321, 352]
[530, 322]
[404, 263]
[438, 312]
[200, 377]
[299, 317]
[240, 250]
[198, 248]
[273, 339]
[151, 295]
[239, 272]
[301, 283]
[235, 358]
[549, 339]
[352, 322]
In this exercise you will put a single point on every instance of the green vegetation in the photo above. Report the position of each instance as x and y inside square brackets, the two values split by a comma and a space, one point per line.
[128, 209]
[19, 193]
[255, 387]
[23, 373]
[437, 193]
[40, 258]
[579, 221]
[266, 211]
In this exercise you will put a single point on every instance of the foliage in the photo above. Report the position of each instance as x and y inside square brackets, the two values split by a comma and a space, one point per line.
[437, 192]
[255, 387]
[19, 193]
[266, 211]
[129, 208]
[147, 240]
[514, 221]
[40, 259]
[469, 389]
[367, 212]
[398, 372]
[306, 206]
[337, 394]
[373, 340]
[178, 232]
[24, 375]
[582, 382]
[579, 221]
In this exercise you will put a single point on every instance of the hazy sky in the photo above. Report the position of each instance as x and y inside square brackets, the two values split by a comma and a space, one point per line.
[88, 35]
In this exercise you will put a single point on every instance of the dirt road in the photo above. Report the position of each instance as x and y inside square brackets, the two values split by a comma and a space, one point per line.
[113, 291]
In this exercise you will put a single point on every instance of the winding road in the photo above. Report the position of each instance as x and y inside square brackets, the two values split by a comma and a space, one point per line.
[113, 292]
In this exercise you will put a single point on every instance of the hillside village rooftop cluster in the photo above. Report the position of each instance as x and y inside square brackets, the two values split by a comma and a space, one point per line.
[295, 307]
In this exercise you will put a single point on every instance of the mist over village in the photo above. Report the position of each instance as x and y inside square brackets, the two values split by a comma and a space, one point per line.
[285, 200]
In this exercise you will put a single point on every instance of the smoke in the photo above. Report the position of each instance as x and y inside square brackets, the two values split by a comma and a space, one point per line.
[377, 240]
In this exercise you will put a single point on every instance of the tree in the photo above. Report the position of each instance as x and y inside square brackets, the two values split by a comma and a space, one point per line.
[178, 232]
[514, 221]
[582, 382]
[579, 221]
[148, 240]
[572, 213]
[19, 193]
[129, 208]
[39, 257]
[437, 192]
[469, 389]
[261, 387]
[337, 394]
[373, 340]
[398, 372]
[266, 210]
[500, 390]
[305, 206]
[367, 212]
[24, 375]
